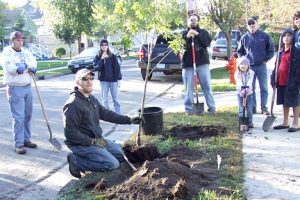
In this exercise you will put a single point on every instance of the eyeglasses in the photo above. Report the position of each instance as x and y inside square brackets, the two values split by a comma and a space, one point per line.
[86, 79]
[251, 23]
[104, 45]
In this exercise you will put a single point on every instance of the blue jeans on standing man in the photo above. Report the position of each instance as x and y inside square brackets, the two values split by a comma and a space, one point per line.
[260, 72]
[113, 88]
[95, 159]
[203, 74]
[20, 104]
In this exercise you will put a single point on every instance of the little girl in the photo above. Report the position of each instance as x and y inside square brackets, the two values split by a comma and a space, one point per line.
[244, 78]
[286, 76]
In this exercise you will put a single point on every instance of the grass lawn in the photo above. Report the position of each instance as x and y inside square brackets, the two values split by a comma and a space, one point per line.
[47, 65]
[228, 146]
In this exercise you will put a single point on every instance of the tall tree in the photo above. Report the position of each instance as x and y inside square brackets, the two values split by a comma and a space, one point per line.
[227, 14]
[78, 14]
[66, 34]
[2, 21]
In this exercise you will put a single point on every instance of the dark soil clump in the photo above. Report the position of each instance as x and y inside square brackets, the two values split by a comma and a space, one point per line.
[196, 132]
[175, 176]
[139, 154]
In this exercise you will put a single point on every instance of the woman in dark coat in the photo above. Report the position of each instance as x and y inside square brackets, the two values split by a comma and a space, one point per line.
[109, 73]
[288, 76]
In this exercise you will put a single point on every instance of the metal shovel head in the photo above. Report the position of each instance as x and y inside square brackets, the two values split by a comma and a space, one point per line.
[198, 108]
[55, 143]
[268, 123]
[243, 124]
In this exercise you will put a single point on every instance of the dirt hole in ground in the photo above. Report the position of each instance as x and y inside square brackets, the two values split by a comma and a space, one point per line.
[139, 154]
[196, 132]
[178, 174]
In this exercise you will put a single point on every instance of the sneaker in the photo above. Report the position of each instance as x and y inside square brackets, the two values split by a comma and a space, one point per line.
[30, 144]
[20, 150]
[72, 166]
[265, 112]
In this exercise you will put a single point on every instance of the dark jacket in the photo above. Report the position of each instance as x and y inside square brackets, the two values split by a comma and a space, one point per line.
[258, 47]
[108, 69]
[81, 119]
[293, 83]
[201, 41]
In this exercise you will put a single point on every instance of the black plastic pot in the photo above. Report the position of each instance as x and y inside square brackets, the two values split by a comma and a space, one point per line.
[153, 117]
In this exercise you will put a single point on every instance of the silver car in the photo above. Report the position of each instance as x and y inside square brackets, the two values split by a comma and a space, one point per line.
[219, 49]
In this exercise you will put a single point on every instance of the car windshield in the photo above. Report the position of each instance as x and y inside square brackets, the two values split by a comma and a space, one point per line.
[90, 52]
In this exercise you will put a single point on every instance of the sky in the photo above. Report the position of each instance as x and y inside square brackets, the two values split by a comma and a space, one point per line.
[18, 3]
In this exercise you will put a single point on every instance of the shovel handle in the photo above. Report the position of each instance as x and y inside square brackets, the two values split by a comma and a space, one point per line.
[42, 106]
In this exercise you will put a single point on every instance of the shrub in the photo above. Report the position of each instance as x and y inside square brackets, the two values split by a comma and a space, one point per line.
[275, 36]
[59, 52]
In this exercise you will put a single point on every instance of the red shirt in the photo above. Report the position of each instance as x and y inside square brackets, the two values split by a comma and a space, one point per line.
[283, 69]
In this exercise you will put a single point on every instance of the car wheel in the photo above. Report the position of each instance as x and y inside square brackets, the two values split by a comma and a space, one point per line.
[213, 57]
[74, 70]
[144, 76]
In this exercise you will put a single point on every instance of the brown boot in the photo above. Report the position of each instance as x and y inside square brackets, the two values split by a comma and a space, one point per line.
[30, 144]
[20, 150]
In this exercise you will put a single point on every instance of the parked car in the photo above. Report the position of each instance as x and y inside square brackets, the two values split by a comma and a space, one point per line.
[235, 34]
[86, 57]
[163, 59]
[219, 49]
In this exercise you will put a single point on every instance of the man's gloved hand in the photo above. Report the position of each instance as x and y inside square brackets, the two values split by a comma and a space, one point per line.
[136, 120]
[100, 142]
[32, 70]
[21, 67]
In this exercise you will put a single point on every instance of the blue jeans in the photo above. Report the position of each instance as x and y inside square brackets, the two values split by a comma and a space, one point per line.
[20, 104]
[113, 88]
[260, 72]
[249, 110]
[203, 74]
[95, 159]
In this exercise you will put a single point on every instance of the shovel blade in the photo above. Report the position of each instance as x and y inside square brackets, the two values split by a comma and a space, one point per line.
[55, 143]
[268, 123]
[243, 124]
[198, 108]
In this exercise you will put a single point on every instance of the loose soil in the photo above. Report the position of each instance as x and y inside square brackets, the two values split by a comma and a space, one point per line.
[178, 174]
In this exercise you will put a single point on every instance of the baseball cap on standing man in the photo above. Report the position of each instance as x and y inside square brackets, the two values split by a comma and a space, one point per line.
[16, 35]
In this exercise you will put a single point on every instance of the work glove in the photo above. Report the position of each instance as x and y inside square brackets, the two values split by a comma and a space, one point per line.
[136, 120]
[21, 67]
[100, 142]
[32, 70]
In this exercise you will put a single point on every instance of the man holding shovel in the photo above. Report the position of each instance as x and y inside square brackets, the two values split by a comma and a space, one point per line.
[17, 63]
[201, 39]
[82, 115]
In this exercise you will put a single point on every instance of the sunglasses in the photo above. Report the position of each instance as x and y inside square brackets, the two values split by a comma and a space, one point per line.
[86, 79]
[251, 23]
[104, 45]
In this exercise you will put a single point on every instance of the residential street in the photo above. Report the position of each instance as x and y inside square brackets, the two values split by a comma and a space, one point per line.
[271, 160]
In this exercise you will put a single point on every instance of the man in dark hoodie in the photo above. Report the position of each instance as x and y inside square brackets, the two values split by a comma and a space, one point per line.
[202, 40]
[82, 115]
[258, 47]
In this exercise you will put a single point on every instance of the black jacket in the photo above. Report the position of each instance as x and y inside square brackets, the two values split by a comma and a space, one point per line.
[81, 119]
[201, 41]
[108, 69]
[293, 84]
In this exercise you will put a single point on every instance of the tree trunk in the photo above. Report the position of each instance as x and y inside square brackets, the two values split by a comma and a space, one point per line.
[79, 44]
[228, 38]
[70, 51]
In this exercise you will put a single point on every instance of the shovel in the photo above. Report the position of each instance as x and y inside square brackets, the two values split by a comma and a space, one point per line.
[270, 119]
[198, 108]
[244, 121]
[52, 140]
[129, 163]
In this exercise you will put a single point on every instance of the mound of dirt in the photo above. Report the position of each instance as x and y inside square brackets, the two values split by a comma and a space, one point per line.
[196, 132]
[177, 175]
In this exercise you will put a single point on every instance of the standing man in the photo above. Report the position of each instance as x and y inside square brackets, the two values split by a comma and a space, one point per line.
[17, 63]
[202, 40]
[82, 115]
[258, 47]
